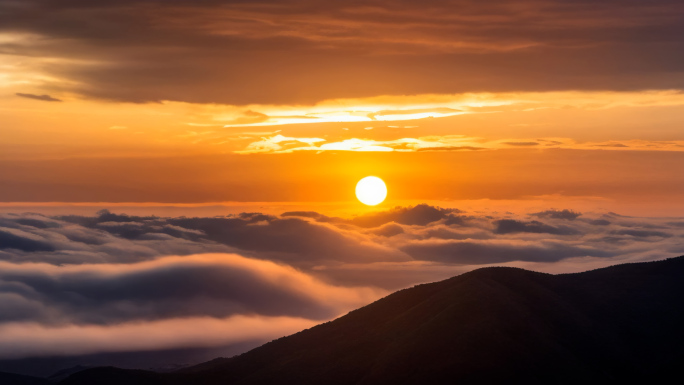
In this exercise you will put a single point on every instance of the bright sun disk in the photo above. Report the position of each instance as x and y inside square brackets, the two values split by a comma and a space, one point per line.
[371, 190]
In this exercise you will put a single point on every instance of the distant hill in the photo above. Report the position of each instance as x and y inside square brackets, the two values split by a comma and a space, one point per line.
[622, 324]
[19, 379]
[64, 373]
[164, 360]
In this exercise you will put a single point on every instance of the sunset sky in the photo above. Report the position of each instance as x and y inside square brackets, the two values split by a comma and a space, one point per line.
[226, 137]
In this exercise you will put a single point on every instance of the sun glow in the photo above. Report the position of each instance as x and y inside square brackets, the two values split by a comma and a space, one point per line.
[371, 190]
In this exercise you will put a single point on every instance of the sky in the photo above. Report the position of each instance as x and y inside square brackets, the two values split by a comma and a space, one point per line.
[217, 144]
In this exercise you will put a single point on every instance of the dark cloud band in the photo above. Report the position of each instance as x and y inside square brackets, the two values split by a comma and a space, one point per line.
[242, 52]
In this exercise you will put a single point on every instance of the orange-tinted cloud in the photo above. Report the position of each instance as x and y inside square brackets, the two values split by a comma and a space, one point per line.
[93, 284]
[448, 143]
[305, 51]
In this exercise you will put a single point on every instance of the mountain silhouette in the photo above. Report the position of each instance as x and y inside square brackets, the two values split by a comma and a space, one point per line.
[20, 379]
[616, 325]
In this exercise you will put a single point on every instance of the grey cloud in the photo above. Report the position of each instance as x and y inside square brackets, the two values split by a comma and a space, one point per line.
[16, 221]
[558, 214]
[32, 238]
[419, 215]
[304, 239]
[9, 240]
[307, 214]
[480, 253]
[44, 98]
[113, 269]
[508, 226]
[216, 285]
[642, 233]
[290, 239]
[295, 241]
[15, 307]
[446, 233]
[388, 230]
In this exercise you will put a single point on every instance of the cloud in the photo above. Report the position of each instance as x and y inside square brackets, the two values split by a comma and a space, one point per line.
[508, 226]
[119, 238]
[216, 285]
[488, 252]
[620, 145]
[388, 230]
[522, 144]
[13, 239]
[19, 340]
[410, 114]
[420, 215]
[321, 114]
[102, 282]
[242, 52]
[558, 214]
[292, 240]
[279, 144]
[642, 233]
[44, 98]
[105, 280]
[307, 214]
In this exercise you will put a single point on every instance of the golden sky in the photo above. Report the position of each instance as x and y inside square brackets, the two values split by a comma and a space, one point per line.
[624, 146]
[135, 101]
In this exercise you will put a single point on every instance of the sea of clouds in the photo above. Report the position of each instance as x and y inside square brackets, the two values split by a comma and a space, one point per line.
[77, 284]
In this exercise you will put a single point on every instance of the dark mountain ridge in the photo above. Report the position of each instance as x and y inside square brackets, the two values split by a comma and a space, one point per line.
[20, 379]
[621, 324]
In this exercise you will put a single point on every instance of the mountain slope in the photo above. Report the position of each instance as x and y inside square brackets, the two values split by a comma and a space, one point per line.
[614, 325]
[19, 379]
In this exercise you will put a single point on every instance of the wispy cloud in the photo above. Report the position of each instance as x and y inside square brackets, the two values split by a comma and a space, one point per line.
[279, 144]
[389, 108]
[325, 115]
[19, 339]
[43, 98]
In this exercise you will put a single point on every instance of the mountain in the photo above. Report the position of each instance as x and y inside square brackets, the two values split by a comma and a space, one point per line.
[617, 325]
[20, 379]
[64, 373]
[164, 360]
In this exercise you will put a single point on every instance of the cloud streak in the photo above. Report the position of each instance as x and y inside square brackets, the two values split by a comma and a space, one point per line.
[44, 98]
[281, 145]
[19, 340]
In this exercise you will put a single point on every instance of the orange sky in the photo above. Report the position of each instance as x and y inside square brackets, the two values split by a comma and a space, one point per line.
[625, 147]
[202, 102]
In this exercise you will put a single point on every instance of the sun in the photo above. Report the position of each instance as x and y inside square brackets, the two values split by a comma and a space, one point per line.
[371, 190]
